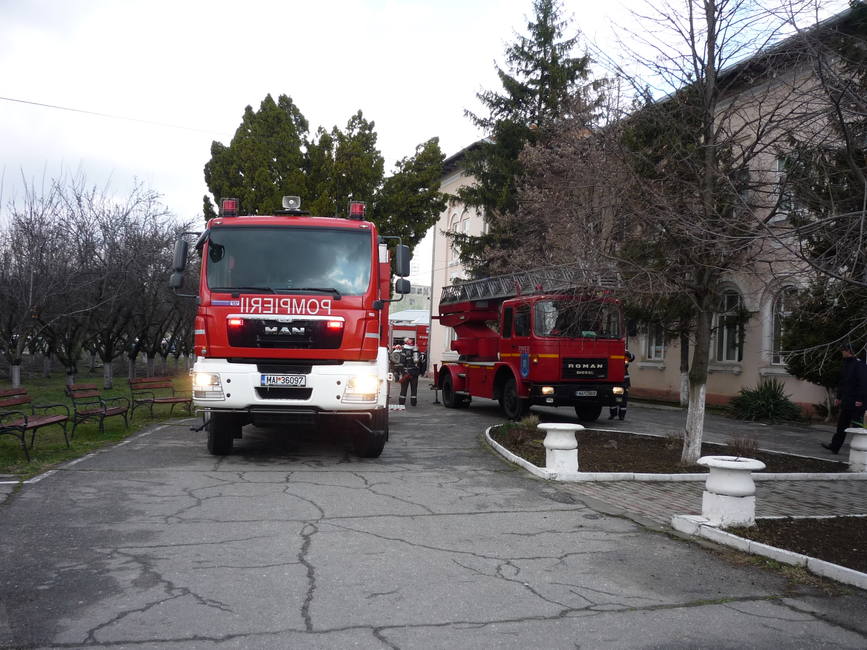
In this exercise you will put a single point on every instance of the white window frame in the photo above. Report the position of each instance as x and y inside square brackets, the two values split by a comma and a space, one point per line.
[729, 347]
[654, 347]
[779, 311]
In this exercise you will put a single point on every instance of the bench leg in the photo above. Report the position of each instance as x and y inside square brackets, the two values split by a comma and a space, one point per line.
[24, 445]
[22, 437]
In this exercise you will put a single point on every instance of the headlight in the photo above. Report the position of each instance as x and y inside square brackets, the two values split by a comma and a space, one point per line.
[617, 390]
[547, 390]
[207, 385]
[361, 388]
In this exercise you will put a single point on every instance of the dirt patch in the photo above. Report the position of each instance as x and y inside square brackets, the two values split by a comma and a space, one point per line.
[840, 540]
[617, 451]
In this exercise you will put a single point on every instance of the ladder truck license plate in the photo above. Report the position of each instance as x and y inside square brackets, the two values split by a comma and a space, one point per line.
[284, 380]
[585, 393]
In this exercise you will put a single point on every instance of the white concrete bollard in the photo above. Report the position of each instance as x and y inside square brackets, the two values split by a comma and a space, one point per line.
[729, 495]
[857, 449]
[561, 447]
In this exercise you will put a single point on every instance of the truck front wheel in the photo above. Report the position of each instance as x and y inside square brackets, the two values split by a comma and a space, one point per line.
[222, 430]
[369, 443]
[514, 408]
[452, 400]
[588, 412]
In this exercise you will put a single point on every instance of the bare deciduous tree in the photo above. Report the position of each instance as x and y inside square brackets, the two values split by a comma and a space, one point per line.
[683, 193]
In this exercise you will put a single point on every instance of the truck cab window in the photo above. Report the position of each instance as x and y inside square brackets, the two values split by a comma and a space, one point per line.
[522, 321]
[507, 323]
[283, 259]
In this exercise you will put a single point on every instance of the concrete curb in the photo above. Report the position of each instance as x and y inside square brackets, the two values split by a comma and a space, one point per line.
[541, 472]
[698, 526]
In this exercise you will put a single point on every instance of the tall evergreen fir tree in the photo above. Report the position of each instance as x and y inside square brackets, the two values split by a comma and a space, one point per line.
[539, 88]
[271, 156]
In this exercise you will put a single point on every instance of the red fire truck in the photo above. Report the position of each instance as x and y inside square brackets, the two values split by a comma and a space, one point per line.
[292, 322]
[552, 336]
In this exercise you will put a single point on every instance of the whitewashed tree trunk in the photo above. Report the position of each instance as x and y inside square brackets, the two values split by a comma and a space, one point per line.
[107, 376]
[694, 425]
[684, 369]
[698, 373]
[15, 374]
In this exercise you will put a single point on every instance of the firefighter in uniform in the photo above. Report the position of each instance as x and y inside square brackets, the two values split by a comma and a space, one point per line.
[409, 361]
[619, 410]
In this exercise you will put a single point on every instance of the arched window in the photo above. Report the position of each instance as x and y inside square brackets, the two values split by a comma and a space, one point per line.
[782, 307]
[729, 336]
[455, 227]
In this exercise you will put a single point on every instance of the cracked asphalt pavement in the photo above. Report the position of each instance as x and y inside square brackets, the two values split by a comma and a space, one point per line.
[292, 542]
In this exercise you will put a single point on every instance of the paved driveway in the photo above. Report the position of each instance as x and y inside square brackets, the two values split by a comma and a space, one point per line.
[293, 542]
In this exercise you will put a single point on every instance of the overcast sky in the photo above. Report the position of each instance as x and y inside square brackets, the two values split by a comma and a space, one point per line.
[182, 71]
[411, 66]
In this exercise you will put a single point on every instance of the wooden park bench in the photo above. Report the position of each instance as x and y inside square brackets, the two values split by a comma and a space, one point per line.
[89, 404]
[18, 422]
[148, 391]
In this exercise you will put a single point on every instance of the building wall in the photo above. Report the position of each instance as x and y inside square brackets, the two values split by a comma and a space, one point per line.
[446, 266]
[417, 298]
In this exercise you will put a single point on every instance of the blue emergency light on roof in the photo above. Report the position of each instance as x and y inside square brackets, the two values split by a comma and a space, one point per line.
[229, 207]
[356, 210]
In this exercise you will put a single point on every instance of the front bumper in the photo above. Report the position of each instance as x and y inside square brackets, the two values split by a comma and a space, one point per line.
[575, 394]
[327, 389]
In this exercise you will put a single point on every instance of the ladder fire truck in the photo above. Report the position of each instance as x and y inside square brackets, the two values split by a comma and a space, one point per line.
[292, 322]
[552, 336]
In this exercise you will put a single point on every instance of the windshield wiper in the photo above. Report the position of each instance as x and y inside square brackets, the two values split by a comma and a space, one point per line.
[330, 290]
[244, 289]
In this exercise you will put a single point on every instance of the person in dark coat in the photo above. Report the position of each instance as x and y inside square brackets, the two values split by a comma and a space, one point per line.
[619, 410]
[851, 396]
[409, 378]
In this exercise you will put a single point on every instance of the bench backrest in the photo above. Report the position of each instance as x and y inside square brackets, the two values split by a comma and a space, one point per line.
[83, 391]
[150, 382]
[14, 397]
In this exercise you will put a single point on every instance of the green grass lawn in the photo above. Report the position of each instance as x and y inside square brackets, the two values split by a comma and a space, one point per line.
[50, 449]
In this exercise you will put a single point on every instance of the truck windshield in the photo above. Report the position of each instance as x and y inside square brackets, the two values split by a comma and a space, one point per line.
[577, 319]
[287, 260]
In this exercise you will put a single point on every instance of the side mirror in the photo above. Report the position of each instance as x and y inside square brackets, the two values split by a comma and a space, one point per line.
[180, 261]
[401, 261]
[402, 286]
[176, 280]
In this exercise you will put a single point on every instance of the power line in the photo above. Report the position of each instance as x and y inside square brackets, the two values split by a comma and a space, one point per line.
[106, 115]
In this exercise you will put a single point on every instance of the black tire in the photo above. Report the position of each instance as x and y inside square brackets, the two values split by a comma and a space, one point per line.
[222, 428]
[514, 407]
[588, 412]
[369, 444]
[450, 399]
